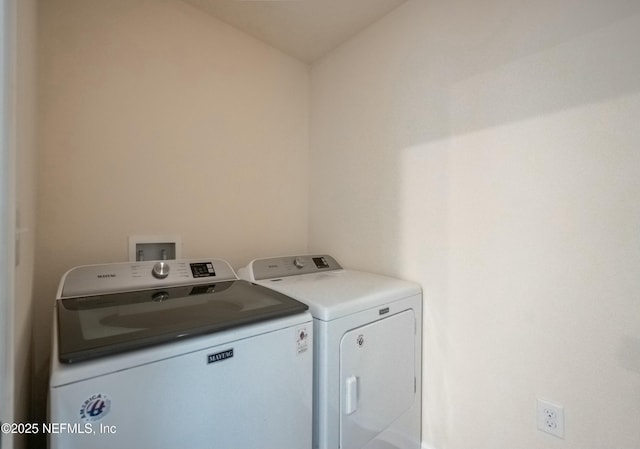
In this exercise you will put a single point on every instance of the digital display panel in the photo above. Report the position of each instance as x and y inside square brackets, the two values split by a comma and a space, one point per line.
[320, 262]
[202, 270]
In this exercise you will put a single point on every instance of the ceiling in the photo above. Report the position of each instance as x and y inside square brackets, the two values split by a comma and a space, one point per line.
[304, 29]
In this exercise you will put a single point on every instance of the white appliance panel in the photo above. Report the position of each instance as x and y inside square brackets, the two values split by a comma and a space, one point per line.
[335, 294]
[344, 303]
[377, 377]
[327, 336]
[263, 389]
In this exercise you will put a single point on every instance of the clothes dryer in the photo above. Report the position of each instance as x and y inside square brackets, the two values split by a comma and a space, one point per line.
[367, 350]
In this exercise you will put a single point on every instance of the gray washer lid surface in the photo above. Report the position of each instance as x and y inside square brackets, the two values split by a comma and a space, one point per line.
[335, 294]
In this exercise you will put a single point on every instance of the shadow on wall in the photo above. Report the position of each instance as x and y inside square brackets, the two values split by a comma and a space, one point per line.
[520, 222]
[597, 66]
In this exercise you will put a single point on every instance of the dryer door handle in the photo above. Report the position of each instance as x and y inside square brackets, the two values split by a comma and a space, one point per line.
[351, 395]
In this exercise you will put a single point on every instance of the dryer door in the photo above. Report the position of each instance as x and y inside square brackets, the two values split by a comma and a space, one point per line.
[377, 375]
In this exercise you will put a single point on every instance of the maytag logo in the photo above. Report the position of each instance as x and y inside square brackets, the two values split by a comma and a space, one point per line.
[106, 275]
[219, 356]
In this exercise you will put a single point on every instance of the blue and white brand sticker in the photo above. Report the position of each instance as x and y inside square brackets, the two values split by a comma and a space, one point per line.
[95, 407]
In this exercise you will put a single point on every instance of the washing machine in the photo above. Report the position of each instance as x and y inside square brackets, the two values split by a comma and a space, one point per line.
[367, 350]
[178, 354]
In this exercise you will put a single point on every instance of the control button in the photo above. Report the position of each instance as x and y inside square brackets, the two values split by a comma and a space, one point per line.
[160, 270]
[160, 296]
[298, 262]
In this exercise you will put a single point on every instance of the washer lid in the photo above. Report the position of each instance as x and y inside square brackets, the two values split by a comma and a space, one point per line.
[95, 326]
[334, 294]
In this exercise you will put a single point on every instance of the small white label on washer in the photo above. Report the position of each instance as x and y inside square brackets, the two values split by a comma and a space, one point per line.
[302, 340]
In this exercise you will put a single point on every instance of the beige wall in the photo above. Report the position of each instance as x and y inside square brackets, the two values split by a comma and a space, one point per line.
[485, 149]
[157, 118]
[489, 150]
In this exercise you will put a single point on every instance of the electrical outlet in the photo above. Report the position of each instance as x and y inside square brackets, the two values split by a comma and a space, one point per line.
[550, 418]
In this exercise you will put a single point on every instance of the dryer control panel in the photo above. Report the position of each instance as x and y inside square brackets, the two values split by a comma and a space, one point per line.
[277, 267]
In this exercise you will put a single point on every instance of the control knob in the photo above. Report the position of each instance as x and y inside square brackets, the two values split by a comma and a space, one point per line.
[160, 270]
[160, 296]
[298, 262]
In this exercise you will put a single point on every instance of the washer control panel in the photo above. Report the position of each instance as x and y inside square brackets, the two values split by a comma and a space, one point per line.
[116, 277]
[277, 267]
